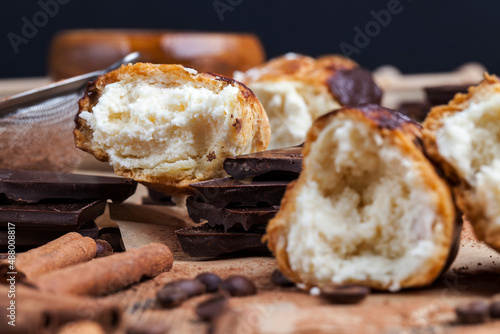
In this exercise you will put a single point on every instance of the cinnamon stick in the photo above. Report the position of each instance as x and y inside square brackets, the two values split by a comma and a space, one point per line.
[44, 311]
[107, 274]
[69, 249]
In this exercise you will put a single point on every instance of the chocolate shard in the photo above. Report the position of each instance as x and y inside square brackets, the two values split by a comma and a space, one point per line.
[443, 94]
[244, 217]
[354, 87]
[34, 186]
[27, 238]
[287, 160]
[157, 198]
[207, 241]
[227, 191]
[56, 216]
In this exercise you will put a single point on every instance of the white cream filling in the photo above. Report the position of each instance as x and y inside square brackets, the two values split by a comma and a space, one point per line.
[292, 106]
[470, 142]
[146, 124]
[367, 216]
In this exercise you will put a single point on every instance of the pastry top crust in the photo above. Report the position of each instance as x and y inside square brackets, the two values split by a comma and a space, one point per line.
[296, 67]
[249, 126]
[348, 83]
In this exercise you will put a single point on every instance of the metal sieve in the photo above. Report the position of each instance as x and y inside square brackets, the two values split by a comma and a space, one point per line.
[36, 127]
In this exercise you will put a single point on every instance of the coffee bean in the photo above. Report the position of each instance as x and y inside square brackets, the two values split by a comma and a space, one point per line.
[211, 281]
[344, 294]
[495, 309]
[190, 287]
[212, 307]
[474, 312]
[238, 286]
[147, 329]
[103, 248]
[113, 236]
[171, 297]
[277, 278]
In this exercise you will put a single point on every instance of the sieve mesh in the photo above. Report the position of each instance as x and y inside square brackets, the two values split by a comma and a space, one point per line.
[39, 137]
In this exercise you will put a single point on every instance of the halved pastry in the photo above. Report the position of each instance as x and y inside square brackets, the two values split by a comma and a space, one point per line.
[463, 137]
[368, 207]
[168, 126]
[296, 89]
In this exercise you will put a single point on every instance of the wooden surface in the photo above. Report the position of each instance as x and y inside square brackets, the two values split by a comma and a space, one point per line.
[474, 274]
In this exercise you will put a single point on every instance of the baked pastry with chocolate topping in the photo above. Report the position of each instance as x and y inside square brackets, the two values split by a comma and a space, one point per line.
[368, 207]
[168, 126]
[463, 138]
[297, 89]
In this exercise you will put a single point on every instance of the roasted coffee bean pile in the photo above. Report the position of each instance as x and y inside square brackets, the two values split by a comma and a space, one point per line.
[175, 293]
[478, 311]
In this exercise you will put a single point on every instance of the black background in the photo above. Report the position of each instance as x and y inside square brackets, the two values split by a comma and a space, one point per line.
[427, 36]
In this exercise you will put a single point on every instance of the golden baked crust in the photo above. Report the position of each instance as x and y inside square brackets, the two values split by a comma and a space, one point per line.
[404, 133]
[296, 67]
[296, 89]
[248, 128]
[465, 192]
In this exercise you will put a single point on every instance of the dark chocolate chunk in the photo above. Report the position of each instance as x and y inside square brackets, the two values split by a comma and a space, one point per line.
[246, 217]
[226, 191]
[113, 236]
[211, 281]
[55, 216]
[345, 294]
[207, 241]
[212, 307]
[417, 111]
[34, 186]
[475, 312]
[277, 278]
[495, 309]
[103, 248]
[354, 87]
[287, 160]
[157, 198]
[238, 286]
[443, 94]
[27, 238]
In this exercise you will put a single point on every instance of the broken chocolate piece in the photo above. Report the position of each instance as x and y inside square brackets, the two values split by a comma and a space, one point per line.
[287, 161]
[207, 241]
[157, 198]
[34, 186]
[354, 87]
[27, 238]
[55, 216]
[246, 217]
[222, 192]
[443, 94]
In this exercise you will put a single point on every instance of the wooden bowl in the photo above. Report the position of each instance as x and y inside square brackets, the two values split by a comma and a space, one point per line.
[76, 52]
